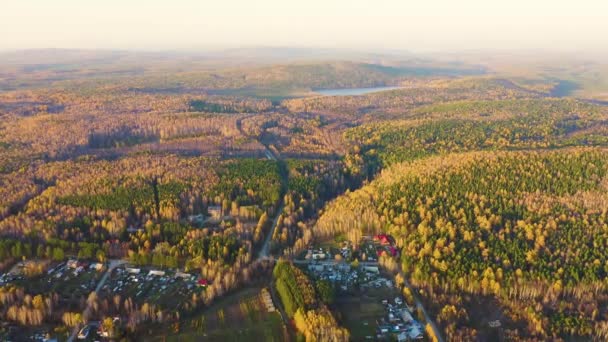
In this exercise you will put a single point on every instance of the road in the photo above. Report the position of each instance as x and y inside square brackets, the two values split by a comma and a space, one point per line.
[265, 250]
[419, 305]
[265, 253]
[278, 305]
[111, 266]
[331, 262]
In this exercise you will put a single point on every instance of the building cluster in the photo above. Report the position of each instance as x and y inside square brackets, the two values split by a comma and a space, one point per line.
[142, 282]
[346, 277]
[385, 245]
[318, 254]
[399, 322]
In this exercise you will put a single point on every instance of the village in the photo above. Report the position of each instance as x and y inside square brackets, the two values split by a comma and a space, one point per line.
[75, 279]
[352, 278]
[153, 285]
[354, 273]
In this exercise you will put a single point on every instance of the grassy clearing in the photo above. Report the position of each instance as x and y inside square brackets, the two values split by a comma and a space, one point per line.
[358, 313]
[240, 317]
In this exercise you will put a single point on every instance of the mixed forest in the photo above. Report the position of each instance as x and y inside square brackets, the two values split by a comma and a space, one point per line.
[494, 189]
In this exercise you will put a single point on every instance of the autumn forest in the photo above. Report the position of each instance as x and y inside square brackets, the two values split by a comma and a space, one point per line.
[494, 189]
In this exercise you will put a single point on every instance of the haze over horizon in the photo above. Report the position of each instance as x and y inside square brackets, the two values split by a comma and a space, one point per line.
[427, 26]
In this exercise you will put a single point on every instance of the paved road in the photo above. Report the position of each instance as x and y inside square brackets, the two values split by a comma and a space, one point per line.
[265, 250]
[111, 266]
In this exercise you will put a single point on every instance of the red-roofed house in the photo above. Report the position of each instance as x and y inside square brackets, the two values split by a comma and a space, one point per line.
[383, 238]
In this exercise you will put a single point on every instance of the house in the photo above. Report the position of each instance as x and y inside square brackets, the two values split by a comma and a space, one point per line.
[406, 316]
[371, 269]
[202, 283]
[415, 332]
[494, 324]
[215, 211]
[384, 239]
[156, 273]
[398, 301]
[133, 270]
[318, 256]
[182, 275]
[383, 329]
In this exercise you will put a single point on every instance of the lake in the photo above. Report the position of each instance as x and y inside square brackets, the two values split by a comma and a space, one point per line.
[352, 91]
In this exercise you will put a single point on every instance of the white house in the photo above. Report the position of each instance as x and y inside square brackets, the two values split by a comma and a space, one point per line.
[406, 316]
[156, 273]
[133, 270]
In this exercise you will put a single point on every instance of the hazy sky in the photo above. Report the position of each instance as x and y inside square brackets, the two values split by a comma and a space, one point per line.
[417, 25]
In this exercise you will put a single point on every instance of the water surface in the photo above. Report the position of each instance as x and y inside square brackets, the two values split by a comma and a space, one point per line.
[352, 91]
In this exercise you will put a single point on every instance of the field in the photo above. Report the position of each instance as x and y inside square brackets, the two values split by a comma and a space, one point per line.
[359, 312]
[240, 317]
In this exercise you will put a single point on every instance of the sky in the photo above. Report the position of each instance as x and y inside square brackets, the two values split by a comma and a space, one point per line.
[414, 25]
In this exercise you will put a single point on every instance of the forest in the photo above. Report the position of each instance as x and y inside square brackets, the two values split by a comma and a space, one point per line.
[524, 230]
[493, 189]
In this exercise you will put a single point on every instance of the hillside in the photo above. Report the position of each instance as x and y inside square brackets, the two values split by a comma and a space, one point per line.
[514, 236]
